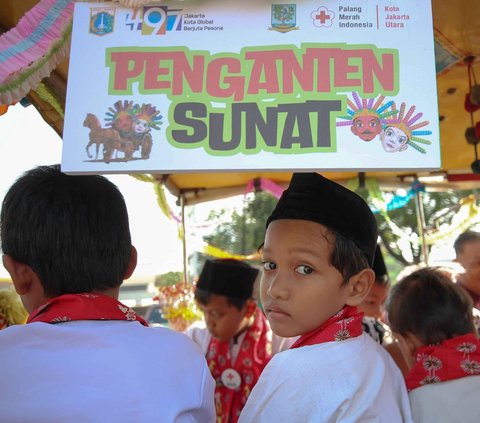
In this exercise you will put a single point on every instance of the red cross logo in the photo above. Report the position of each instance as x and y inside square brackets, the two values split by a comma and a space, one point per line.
[322, 17]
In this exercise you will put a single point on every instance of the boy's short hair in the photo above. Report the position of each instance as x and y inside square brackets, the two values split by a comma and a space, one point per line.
[347, 217]
[346, 257]
[430, 306]
[464, 238]
[380, 269]
[72, 231]
[229, 278]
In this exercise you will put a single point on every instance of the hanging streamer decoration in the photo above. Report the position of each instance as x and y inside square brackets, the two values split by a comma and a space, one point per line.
[46, 95]
[469, 209]
[32, 49]
[379, 203]
[218, 253]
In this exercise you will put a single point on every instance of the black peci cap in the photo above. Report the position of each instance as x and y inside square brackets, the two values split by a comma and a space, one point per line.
[311, 196]
[230, 278]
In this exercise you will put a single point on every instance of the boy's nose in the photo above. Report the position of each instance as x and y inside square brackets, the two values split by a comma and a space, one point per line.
[277, 288]
[210, 323]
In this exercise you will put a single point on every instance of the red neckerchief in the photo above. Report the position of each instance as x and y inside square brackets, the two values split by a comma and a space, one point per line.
[254, 354]
[454, 358]
[347, 323]
[85, 306]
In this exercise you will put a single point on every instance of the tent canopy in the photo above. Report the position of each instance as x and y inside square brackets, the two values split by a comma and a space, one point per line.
[457, 37]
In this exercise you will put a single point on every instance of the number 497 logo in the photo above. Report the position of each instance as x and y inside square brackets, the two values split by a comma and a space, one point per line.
[154, 20]
[157, 20]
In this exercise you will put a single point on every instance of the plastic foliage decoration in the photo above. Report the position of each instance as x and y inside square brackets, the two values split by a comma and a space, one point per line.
[12, 311]
[179, 306]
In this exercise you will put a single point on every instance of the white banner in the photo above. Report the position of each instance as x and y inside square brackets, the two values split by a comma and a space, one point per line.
[222, 85]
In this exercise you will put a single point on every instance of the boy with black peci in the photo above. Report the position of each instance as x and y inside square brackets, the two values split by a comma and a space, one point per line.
[235, 336]
[317, 255]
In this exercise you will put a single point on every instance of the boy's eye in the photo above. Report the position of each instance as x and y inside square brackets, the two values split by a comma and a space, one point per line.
[304, 269]
[215, 315]
[268, 265]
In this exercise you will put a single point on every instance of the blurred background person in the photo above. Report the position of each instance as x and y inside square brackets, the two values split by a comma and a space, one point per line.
[467, 251]
[432, 319]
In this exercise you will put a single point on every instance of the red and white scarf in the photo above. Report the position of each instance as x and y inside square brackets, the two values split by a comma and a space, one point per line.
[454, 358]
[346, 324]
[254, 354]
[85, 306]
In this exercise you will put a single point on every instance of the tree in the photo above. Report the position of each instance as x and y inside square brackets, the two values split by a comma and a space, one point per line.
[398, 228]
[283, 13]
[167, 279]
[244, 231]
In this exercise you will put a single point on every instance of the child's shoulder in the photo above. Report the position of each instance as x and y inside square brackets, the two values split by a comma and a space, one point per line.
[330, 353]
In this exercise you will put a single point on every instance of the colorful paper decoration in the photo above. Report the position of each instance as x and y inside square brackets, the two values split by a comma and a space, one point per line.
[31, 50]
[218, 253]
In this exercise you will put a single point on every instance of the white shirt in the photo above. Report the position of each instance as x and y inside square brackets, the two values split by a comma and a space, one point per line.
[349, 381]
[102, 371]
[199, 333]
[455, 401]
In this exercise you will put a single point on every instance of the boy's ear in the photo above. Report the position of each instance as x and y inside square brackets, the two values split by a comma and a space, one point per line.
[408, 345]
[250, 308]
[23, 277]
[132, 264]
[359, 286]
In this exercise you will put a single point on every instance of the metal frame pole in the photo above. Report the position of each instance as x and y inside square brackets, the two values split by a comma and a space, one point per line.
[184, 240]
[421, 224]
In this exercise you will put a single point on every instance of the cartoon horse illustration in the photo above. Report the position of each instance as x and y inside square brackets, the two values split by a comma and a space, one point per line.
[108, 137]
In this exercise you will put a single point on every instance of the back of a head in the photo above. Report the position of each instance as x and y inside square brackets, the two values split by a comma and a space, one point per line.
[230, 278]
[430, 306]
[73, 231]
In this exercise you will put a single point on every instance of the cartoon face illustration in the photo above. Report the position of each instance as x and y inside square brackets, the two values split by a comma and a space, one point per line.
[123, 123]
[140, 126]
[393, 139]
[366, 127]
[365, 116]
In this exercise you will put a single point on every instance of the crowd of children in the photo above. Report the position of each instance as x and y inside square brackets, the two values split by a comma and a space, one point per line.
[308, 354]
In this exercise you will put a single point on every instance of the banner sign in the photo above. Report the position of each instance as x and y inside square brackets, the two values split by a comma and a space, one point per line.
[222, 85]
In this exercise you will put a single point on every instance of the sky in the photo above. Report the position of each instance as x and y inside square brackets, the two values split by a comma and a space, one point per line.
[26, 141]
